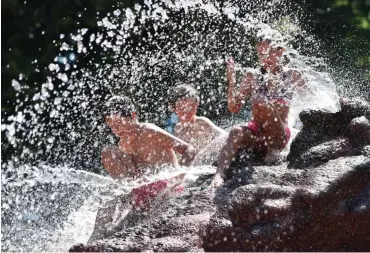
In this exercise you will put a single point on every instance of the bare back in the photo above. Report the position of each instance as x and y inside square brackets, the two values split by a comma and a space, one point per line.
[199, 133]
[149, 147]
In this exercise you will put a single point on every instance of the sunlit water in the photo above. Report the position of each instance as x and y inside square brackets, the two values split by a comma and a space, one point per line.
[143, 49]
[53, 208]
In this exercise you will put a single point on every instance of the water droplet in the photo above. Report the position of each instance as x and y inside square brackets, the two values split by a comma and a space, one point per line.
[16, 85]
[117, 12]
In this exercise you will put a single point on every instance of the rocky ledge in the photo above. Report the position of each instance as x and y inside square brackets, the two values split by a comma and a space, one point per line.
[318, 200]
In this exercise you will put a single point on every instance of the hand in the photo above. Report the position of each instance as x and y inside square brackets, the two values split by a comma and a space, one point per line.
[177, 179]
[217, 181]
[188, 157]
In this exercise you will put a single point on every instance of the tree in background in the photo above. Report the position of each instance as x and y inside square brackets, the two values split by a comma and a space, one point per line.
[343, 27]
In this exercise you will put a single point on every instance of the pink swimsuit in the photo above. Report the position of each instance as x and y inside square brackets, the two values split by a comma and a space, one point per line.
[259, 145]
[262, 95]
[144, 195]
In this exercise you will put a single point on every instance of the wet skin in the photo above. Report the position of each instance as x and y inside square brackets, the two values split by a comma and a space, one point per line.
[141, 145]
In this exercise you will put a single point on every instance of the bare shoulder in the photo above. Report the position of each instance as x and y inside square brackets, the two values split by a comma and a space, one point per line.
[151, 129]
[204, 121]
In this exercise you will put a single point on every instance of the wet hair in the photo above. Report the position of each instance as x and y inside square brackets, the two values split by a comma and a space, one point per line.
[264, 39]
[183, 91]
[273, 43]
[119, 105]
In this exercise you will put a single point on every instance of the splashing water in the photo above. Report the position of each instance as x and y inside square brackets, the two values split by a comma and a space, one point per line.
[139, 52]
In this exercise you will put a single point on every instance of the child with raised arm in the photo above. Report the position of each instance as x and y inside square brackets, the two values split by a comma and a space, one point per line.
[195, 130]
[141, 145]
[270, 90]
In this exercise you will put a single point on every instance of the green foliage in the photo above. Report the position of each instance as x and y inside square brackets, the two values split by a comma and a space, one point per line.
[343, 26]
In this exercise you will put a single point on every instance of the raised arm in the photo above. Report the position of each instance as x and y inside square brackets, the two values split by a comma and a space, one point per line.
[236, 98]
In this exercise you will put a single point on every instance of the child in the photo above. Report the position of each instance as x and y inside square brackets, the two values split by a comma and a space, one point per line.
[141, 145]
[197, 131]
[270, 91]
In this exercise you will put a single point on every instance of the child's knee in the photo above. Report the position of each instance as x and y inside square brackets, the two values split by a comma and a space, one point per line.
[236, 133]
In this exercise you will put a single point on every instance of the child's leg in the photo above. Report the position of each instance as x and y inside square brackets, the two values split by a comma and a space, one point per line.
[117, 163]
[239, 136]
[273, 129]
[274, 138]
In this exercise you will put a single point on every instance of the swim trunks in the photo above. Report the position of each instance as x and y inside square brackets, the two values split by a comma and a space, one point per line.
[144, 195]
[259, 146]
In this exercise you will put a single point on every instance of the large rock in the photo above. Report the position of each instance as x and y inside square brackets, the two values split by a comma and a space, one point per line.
[359, 130]
[326, 136]
[325, 208]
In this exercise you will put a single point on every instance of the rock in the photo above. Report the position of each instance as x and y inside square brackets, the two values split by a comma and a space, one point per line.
[359, 130]
[351, 109]
[366, 151]
[326, 136]
[317, 127]
[112, 216]
[367, 114]
[279, 209]
[248, 204]
[319, 200]
[304, 214]
[323, 152]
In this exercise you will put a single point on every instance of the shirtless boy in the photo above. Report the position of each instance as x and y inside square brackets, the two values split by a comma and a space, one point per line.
[195, 130]
[141, 145]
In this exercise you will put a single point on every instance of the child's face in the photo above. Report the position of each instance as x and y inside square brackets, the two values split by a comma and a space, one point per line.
[118, 124]
[186, 109]
[269, 57]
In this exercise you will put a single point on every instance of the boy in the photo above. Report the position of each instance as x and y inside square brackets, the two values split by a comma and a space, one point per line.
[141, 145]
[197, 131]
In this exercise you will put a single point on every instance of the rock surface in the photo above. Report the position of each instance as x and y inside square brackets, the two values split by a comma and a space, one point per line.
[326, 136]
[324, 205]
